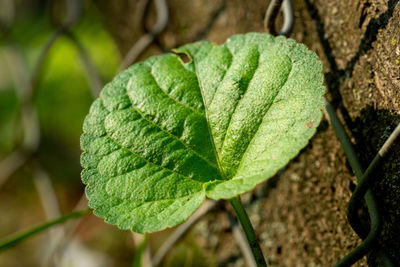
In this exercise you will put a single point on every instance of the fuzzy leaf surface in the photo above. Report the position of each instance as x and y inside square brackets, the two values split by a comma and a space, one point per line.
[165, 134]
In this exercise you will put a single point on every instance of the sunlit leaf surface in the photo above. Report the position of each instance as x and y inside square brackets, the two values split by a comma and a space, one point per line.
[165, 134]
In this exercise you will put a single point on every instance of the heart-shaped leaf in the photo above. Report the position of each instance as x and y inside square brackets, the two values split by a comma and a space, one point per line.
[165, 134]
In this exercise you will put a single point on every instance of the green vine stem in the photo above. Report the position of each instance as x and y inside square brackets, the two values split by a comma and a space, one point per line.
[19, 237]
[140, 251]
[248, 230]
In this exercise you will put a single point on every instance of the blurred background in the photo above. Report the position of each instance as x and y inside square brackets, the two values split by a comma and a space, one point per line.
[55, 56]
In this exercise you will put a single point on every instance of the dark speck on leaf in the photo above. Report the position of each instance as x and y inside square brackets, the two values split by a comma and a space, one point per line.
[184, 58]
[309, 124]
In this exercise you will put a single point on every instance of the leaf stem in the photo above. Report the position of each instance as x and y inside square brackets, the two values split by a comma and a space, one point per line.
[140, 251]
[248, 230]
[19, 237]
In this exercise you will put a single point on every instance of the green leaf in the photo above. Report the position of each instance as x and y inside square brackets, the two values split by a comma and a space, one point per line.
[165, 134]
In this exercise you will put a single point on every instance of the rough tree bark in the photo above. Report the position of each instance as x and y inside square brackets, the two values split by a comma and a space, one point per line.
[300, 215]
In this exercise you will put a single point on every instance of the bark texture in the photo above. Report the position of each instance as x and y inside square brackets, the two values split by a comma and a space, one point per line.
[300, 215]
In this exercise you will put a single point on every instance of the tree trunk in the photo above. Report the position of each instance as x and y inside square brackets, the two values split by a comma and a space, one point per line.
[300, 214]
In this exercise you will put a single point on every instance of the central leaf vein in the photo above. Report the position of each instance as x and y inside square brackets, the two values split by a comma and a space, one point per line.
[208, 125]
[173, 136]
[173, 98]
[243, 95]
[223, 77]
[265, 114]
